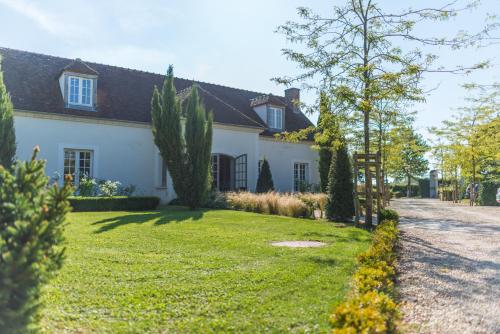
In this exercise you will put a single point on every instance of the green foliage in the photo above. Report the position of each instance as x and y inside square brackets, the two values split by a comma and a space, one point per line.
[388, 214]
[370, 313]
[31, 223]
[487, 193]
[325, 158]
[116, 203]
[372, 309]
[7, 132]
[424, 186]
[116, 261]
[327, 137]
[340, 204]
[265, 181]
[401, 190]
[187, 155]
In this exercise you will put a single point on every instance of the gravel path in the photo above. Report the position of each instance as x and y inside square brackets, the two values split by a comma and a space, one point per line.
[449, 271]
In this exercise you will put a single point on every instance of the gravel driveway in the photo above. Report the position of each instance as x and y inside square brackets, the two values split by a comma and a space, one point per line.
[449, 271]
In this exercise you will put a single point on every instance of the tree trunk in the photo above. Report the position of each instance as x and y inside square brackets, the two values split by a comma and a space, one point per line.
[408, 186]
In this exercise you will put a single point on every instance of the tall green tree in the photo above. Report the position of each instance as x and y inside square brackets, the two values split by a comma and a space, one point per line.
[186, 152]
[32, 216]
[265, 181]
[7, 133]
[198, 136]
[325, 143]
[354, 55]
[406, 152]
[340, 205]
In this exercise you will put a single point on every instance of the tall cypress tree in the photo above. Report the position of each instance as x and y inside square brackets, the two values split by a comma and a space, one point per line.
[265, 181]
[340, 205]
[325, 143]
[7, 133]
[187, 155]
[198, 149]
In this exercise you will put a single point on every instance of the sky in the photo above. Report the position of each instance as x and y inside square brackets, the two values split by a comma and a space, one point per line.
[232, 43]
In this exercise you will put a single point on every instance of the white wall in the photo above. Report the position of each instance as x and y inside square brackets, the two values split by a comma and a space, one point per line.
[122, 151]
[282, 156]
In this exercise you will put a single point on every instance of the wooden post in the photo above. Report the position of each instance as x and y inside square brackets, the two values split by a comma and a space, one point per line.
[355, 190]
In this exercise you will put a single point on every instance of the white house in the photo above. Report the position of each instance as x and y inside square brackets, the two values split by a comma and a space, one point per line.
[95, 119]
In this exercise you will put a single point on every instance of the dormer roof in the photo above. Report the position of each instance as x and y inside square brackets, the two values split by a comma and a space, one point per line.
[267, 99]
[78, 66]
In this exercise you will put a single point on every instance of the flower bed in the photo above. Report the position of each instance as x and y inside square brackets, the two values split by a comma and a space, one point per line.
[371, 308]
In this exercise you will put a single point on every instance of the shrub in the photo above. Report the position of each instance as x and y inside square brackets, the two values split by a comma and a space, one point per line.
[117, 203]
[368, 313]
[269, 203]
[371, 309]
[424, 188]
[216, 200]
[340, 204]
[265, 181]
[108, 188]
[87, 187]
[388, 214]
[487, 192]
[32, 215]
[315, 201]
[377, 277]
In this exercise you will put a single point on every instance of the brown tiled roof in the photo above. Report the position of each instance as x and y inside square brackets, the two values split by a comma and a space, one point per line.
[122, 94]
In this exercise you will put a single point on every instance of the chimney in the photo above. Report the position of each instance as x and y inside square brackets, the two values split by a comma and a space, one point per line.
[292, 97]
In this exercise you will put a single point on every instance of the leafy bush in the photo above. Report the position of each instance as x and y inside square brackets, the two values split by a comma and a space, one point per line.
[368, 313]
[377, 277]
[424, 186]
[87, 187]
[265, 180]
[487, 192]
[32, 215]
[117, 203]
[371, 309]
[216, 200]
[399, 190]
[315, 201]
[388, 214]
[108, 188]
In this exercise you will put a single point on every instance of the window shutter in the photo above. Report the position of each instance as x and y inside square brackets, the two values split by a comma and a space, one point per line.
[94, 93]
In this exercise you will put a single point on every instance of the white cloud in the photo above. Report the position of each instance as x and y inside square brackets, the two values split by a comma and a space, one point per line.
[47, 21]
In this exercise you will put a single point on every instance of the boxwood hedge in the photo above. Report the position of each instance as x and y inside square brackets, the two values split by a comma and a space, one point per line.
[115, 203]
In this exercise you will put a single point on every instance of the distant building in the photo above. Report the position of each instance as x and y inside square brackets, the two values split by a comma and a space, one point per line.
[433, 183]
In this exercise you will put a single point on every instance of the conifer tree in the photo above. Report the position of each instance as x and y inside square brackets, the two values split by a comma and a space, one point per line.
[7, 133]
[340, 205]
[265, 181]
[32, 215]
[198, 137]
[187, 155]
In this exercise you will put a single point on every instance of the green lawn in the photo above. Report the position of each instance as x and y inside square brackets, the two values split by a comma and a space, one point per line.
[175, 270]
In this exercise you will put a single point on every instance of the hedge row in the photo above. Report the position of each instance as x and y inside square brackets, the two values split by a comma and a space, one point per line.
[116, 203]
[488, 192]
[372, 308]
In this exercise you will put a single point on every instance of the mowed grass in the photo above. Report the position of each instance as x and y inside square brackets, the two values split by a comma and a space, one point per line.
[180, 271]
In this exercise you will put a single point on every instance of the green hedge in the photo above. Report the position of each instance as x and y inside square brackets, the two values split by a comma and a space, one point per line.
[488, 193]
[424, 186]
[371, 308]
[117, 203]
[399, 190]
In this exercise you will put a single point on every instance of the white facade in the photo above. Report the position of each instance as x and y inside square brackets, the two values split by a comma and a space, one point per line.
[125, 151]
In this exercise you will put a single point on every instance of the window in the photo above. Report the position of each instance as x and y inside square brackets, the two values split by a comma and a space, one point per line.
[80, 91]
[77, 163]
[300, 175]
[241, 172]
[275, 118]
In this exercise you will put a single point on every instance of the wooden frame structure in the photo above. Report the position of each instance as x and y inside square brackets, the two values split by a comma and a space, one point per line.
[371, 161]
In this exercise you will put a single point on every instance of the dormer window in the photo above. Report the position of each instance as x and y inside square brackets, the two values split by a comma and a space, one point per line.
[80, 91]
[275, 118]
[78, 83]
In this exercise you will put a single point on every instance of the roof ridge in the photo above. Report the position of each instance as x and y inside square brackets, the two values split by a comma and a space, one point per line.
[230, 106]
[135, 70]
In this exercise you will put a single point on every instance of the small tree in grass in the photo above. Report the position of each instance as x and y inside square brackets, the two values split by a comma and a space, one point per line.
[31, 223]
[7, 134]
[265, 181]
[187, 155]
[340, 205]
